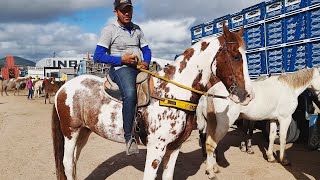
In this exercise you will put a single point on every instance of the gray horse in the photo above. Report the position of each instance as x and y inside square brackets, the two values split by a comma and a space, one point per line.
[15, 84]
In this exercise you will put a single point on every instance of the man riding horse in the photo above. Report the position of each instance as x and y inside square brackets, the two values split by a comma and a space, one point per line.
[120, 45]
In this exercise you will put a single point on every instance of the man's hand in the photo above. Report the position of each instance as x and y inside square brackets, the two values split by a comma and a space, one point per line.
[142, 65]
[129, 59]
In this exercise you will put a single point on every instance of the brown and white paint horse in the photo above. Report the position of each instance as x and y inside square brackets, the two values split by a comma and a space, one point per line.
[15, 84]
[82, 106]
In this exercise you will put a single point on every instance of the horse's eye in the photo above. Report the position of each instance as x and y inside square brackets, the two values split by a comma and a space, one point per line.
[237, 58]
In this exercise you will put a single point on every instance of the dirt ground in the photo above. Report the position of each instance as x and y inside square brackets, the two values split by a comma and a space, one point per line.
[26, 152]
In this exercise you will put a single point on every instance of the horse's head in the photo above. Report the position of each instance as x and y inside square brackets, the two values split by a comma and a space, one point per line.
[230, 66]
[315, 83]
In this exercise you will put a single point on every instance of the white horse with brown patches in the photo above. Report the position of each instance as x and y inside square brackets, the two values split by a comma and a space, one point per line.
[276, 99]
[82, 106]
[12, 84]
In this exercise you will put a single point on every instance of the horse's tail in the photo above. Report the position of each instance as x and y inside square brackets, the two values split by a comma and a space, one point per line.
[58, 144]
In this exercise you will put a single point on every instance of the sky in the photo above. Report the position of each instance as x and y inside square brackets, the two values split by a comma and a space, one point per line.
[36, 29]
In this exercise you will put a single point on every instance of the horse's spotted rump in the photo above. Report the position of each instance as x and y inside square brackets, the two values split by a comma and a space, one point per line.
[204, 45]
[188, 53]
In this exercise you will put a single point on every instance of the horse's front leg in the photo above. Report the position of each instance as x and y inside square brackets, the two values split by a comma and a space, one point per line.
[249, 138]
[5, 90]
[244, 136]
[272, 137]
[211, 165]
[284, 125]
[49, 98]
[45, 98]
[155, 153]
[169, 162]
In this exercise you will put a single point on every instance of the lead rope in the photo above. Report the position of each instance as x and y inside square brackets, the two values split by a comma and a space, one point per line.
[180, 85]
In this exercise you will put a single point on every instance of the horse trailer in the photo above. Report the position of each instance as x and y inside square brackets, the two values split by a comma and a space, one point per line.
[282, 36]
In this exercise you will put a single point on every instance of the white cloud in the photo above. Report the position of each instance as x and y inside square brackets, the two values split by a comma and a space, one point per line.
[37, 41]
[167, 38]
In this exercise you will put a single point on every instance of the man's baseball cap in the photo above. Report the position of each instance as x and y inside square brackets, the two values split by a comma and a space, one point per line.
[120, 4]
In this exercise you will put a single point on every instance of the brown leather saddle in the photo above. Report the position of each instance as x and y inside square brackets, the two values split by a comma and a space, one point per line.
[143, 89]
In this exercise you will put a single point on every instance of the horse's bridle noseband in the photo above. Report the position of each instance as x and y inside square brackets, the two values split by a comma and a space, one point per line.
[223, 47]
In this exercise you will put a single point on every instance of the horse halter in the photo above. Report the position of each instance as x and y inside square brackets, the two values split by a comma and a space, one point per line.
[224, 48]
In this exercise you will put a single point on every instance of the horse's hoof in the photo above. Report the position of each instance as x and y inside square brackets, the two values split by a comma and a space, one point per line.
[243, 146]
[250, 151]
[243, 149]
[216, 169]
[285, 162]
[272, 161]
[214, 178]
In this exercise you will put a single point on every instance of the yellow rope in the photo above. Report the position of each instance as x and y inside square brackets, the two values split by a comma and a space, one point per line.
[172, 82]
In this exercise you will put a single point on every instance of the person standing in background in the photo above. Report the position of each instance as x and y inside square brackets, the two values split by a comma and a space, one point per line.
[30, 87]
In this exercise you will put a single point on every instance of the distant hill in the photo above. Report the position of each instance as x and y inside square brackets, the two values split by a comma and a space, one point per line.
[18, 61]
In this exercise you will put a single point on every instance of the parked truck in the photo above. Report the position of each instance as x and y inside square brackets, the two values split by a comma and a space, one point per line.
[282, 36]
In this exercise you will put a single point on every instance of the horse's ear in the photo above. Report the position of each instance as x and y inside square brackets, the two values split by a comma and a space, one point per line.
[240, 32]
[226, 31]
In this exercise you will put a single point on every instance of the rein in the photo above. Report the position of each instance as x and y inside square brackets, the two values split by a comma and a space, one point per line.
[180, 85]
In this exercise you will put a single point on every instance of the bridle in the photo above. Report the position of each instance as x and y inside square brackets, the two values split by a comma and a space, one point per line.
[224, 48]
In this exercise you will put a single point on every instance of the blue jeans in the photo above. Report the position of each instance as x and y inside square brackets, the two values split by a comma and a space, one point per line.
[125, 78]
[30, 93]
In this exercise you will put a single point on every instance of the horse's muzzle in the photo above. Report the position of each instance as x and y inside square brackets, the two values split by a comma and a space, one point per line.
[241, 96]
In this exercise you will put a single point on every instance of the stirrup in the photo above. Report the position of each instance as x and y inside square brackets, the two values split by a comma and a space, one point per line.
[132, 147]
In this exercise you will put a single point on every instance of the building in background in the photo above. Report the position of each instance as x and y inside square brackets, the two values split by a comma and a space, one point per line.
[55, 67]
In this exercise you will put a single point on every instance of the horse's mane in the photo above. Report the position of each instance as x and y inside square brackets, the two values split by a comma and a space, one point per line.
[297, 79]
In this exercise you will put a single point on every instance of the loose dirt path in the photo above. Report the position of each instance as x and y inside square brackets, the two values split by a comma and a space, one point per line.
[26, 152]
